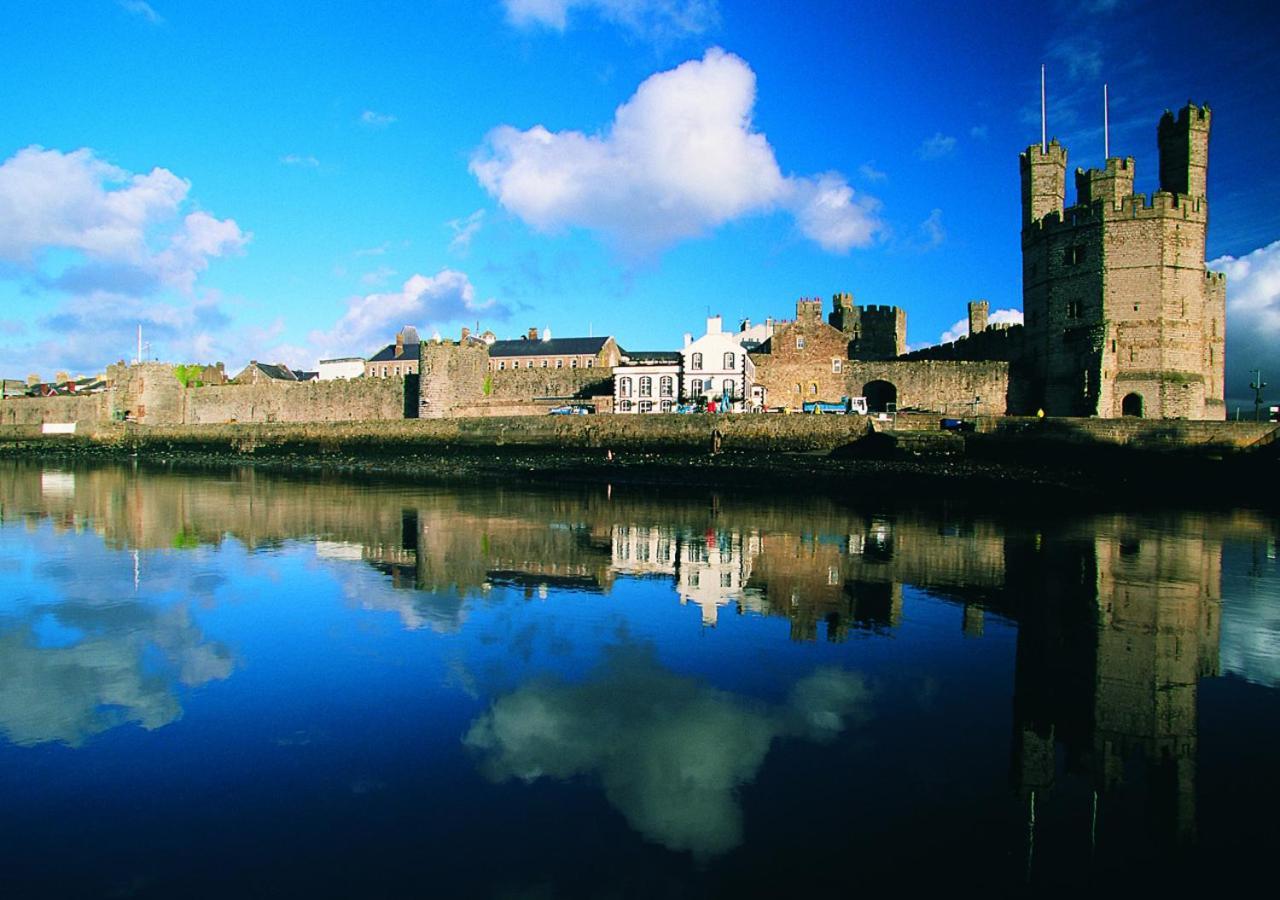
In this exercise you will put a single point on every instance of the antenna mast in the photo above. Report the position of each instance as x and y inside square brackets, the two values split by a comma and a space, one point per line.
[139, 343]
[1044, 136]
[1106, 127]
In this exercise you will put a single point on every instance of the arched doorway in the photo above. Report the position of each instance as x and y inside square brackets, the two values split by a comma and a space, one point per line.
[1131, 405]
[879, 395]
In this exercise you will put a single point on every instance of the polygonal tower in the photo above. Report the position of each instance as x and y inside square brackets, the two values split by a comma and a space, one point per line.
[1121, 316]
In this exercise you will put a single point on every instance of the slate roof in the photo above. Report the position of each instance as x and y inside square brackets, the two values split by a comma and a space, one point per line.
[575, 346]
[388, 354]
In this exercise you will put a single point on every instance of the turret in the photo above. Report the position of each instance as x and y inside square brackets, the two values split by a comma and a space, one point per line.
[1044, 173]
[1184, 151]
[1109, 185]
[977, 316]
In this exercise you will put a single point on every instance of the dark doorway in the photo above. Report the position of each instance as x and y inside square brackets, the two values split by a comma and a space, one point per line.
[411, 396]
[879, 395]
[1131, 405]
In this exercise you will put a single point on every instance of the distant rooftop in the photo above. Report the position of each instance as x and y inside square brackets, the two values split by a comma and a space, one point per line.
[574, 346]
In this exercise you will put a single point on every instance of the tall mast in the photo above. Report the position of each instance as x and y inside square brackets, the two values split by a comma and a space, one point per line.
[1106, 127]
[1044, 136]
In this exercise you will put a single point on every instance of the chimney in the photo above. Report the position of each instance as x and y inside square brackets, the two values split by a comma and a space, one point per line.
[399, 344]
[532, 335]
[688, 339]
[546, 334]
[713, 325]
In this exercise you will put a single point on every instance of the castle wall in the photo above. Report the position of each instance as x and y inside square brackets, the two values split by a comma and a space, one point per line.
[354, 400]
[944, 387]
[85, 411]
[450, 376]
[527, 384]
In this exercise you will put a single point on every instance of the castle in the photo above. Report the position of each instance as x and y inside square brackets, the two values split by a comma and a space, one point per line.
[1121, 316]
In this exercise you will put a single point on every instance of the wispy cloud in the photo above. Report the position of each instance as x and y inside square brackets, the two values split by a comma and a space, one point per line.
[377, 276]
[999, 317]
[979, 132]
[294, 159]
[869, 172]
[659, 19]
[680, 159]
[937, 147]
[142, 10]
[931, 231]
[372, 119]
[464, 230]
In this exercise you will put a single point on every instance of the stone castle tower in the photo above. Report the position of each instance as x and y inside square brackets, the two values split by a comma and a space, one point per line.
[1121, 316]
[874, 332]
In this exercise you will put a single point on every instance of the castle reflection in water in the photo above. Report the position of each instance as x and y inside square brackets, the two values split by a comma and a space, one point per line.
[1118, 617]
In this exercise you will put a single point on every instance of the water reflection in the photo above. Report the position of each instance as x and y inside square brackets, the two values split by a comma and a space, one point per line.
[1115, 623]
[669, 752]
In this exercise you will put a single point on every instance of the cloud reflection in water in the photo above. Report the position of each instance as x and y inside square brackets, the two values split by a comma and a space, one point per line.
[669, 751]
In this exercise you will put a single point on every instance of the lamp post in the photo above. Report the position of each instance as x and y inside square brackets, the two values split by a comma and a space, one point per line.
[1257, 386]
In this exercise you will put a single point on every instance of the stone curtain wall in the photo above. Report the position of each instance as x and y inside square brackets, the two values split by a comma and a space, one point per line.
[528, 384]
[944, 387]
[450, 376]
[354, 400]
[86, 411]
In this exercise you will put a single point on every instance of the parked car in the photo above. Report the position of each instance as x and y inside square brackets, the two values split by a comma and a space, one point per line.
[571, 409]
[956, 425]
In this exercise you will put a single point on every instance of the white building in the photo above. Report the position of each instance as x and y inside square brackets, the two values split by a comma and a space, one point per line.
[647, 382]
[346, 367]
[716, 366]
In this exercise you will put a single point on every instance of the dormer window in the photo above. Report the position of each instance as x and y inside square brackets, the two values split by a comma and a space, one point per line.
[696, 364]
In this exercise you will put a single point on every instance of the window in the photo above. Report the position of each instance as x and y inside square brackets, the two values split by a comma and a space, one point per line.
[528, 364]
[591, 363]
[666, 386]
[666, 406]
[544, 363]
[646, 386]
[646, 406]
[384, 371]
[1073, 256]
[502, 364]
[573, 364]
[559, 363]
[695, 386]
[726, 579]
[836, 366]
[728, 386]
[1075, 309]
[797, 388]
[799, 342]
[395, 370]
[624, 387]
[696, 365]
[624, 406]
[728, 361]
[813, 387]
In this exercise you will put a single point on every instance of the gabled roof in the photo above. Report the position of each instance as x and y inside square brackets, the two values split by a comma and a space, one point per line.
[279, 373]
[574, 346]
[388, 353]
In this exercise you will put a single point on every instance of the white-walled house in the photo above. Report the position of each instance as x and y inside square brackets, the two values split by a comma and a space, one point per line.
[347, 367]
[716, 365]
[647, 382]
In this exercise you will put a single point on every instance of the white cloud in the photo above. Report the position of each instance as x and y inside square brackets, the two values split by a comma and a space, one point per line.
[979, 132]
[464, 230]
[376, 119]
[871, 173]
[680, 159]
[294, 159]
[932, 231]
[142, 10]
[961, 328]
[654, 18]
[425, 301]
[1253, 317]
[672, 757]
[937, 147]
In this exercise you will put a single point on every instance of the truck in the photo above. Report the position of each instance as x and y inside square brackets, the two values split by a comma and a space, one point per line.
[845, 406]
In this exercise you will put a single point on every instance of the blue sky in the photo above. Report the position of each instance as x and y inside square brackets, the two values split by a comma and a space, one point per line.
[287, 181]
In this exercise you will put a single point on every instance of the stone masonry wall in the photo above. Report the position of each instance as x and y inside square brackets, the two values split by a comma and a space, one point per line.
[526, 384]
[945, 387]
[354, 400]
[792, 374]
[85, 411]
[451, 376]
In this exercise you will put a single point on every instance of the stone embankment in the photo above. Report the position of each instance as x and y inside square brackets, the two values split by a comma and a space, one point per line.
[1003, 458]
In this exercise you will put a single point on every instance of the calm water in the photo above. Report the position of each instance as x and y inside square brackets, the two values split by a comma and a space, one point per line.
[241, 685]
